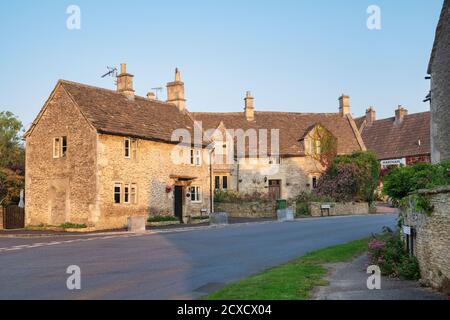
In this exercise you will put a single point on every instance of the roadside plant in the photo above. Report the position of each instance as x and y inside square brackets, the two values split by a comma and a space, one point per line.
[388, 252]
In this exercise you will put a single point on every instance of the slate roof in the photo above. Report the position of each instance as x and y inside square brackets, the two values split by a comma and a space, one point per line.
[393, 141]
[292, 126]
[444, 18]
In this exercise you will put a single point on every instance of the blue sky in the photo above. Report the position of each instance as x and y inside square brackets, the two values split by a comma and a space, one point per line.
[294, 55]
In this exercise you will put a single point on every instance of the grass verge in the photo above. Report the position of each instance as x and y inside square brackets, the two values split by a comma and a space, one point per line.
[294, 280]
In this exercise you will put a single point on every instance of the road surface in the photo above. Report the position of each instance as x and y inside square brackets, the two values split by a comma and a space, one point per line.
[172, 265]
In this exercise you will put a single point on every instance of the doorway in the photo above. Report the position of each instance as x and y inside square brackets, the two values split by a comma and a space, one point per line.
[275, 189]
[178, 202]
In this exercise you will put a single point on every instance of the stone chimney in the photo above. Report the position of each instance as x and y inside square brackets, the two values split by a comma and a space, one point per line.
[151, 96]
[175, 92]
[371, 116]
[125, 82]
[400, 114]
[249, 107]
[344, 105]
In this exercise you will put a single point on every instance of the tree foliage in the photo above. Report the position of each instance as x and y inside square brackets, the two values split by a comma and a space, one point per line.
[12, 158]
[12, 153]
[402, 181]
[10, 185]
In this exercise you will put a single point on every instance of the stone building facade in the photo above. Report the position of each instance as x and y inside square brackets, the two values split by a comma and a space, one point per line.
[97, 157]
[281, 172]
[439, 69]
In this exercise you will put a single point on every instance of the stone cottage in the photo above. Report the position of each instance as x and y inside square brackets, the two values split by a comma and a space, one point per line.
[97, 156]
[295, 165]
[439, 69]
[400, 140]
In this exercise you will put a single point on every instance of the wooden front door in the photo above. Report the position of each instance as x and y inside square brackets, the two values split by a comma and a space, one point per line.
[178, 202]
[275, 189]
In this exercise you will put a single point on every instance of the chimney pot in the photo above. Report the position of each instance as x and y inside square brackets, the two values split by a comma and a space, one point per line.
[344, 105]
[123, 68]
[151, 96]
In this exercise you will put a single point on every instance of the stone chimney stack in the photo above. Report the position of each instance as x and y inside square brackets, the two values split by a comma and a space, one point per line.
[249, 107]
[400, 114]
[344, 105]
[125, 82]
[175, 92]
[371, 116]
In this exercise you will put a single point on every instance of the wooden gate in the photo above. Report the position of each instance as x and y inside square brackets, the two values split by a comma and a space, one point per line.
[14, 217]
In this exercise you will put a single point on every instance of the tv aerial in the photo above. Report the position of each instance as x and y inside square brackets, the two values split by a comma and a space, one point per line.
[156, 91]
[112, 72]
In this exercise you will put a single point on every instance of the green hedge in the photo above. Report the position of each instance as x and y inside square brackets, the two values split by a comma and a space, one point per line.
[402, 181]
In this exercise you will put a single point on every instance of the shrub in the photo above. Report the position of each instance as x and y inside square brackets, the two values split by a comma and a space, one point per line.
[340, 183]
[351, 178]
[408, 268]
[304, 199]
[388, 252]
[162, 219]
[69, 225]
[236, 197]
[402, 181]
[201, 218]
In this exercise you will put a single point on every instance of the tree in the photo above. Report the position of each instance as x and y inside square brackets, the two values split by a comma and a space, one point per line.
[12, 158]
[10, 185]
[12, 153]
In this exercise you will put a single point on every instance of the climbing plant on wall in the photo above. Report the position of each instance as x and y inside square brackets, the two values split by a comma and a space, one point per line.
[321, 145]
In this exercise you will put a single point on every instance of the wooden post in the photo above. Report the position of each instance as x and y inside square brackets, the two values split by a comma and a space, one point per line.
[2, 217]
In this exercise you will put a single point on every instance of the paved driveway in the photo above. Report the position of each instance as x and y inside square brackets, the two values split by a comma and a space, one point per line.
[174, 265]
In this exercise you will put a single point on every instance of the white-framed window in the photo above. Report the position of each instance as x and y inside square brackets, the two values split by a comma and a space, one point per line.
[127, 148]
[133, 194]
[225, 183]
[318, 147]
[60, 147]
[56, 147]
[196, 157]
[134, 148]
[126, 194]
[117, 193]
[221, 183]
[196, 194]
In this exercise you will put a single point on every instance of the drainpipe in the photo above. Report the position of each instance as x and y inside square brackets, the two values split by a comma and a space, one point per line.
[211, 172]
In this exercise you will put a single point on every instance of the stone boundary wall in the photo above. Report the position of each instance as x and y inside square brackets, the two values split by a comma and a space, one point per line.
[340, 209]
[432, 238]
[247, 209]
